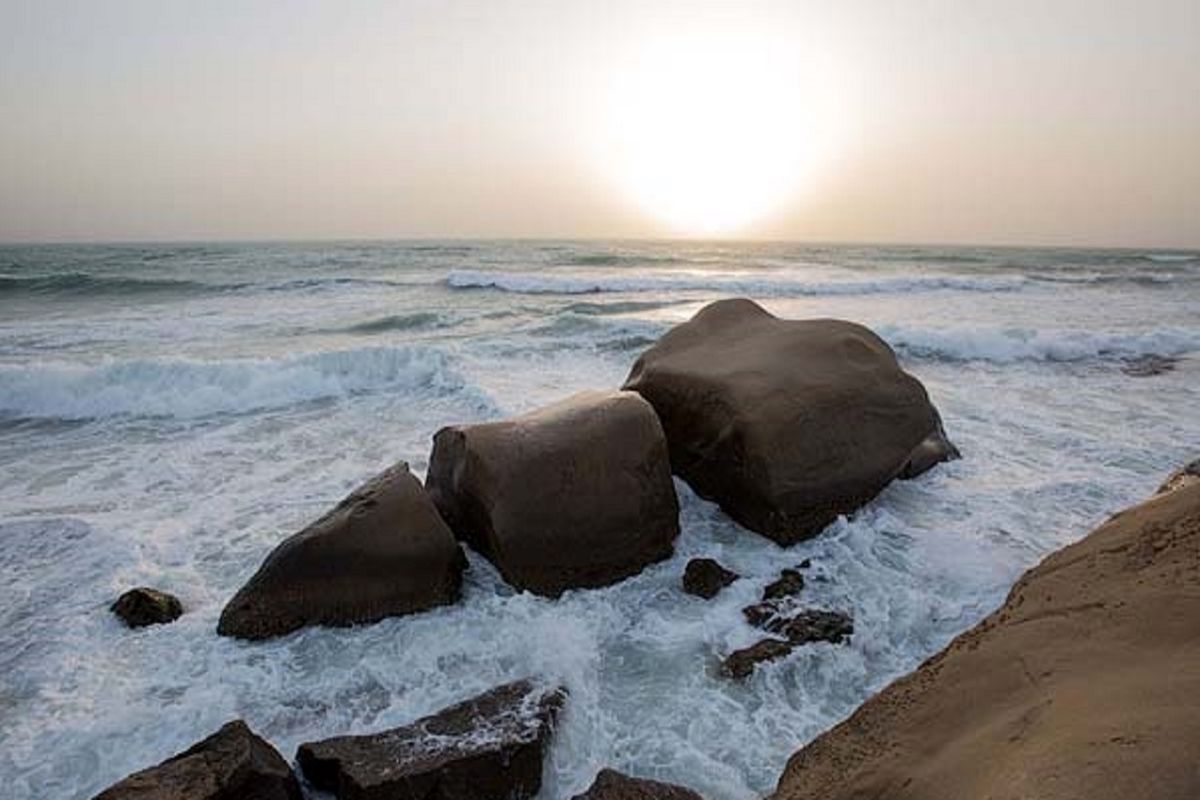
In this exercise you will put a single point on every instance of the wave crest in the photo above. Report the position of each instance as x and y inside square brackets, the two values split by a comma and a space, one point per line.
[1010, 345]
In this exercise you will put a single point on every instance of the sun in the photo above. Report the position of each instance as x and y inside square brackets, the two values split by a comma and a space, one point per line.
[711, 133]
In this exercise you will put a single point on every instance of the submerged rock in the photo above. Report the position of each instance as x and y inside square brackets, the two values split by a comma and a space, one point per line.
[383, 551]
[705, 578]
[489, 746]
[232, 764]
[786, 424]
[143, 606]
[577, 494]
[812, 625]
[1085, 683]
[612, 785]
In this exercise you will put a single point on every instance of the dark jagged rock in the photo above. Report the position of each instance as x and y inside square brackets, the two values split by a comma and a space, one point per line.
[489, 746]
[787, 424]
[1085, 683]
[143, 606]
[789, 584]
[1184, 476]
[759, 613]
[612, 785]
[705, 578]
[232, 764]
[812, 625]
[1147, 366]
[740, 663]
[383, 551]
[577, 494]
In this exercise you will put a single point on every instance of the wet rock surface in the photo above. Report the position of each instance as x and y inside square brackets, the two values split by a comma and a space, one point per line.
[491, 745]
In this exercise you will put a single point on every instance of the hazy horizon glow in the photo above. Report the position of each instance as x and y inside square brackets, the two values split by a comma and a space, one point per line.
[1045, 123]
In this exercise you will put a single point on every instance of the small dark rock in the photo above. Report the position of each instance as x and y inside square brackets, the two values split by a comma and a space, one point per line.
[489, 746]
[789, 584]
[759, 613]
[741, 663]
[232, 764]
[144, 606]
[705, 578]
[805, 564]
[612, 785]
[813, 626]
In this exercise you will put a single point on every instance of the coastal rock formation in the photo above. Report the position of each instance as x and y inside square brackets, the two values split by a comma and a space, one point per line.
[705, 578]
[786, 424]
[383, 551]
[612, 785]
[801, 628]
[1084, 684]
[789, 584]
[1184, 476]
[489, 746]
[143, 606]
[577, 494]
[232, 764]
[740, 663]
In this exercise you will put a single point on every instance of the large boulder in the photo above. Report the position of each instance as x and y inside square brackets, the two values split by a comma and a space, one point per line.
[787, 424]
[232, 764]
[612, 785]
[1084, 684]
[577, 494]
[383, 551]
[489, 746]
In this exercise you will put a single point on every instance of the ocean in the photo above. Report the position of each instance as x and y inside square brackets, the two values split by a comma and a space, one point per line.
[169, 413]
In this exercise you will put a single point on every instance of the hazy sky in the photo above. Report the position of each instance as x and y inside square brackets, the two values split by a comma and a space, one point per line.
[1022, 121]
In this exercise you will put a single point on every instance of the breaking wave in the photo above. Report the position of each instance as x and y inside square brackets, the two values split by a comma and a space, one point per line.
[79, 283]
[1009, 345]
[546, 283]
[191, 388]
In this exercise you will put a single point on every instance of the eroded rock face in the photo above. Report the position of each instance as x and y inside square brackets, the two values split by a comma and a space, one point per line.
[613, 785]
[143, 606]
[489, 746]
[786, 424]
[1084, 684]
[705, 578]
[1184, 476]
[383, 551]
[232, 764]
[577, 494]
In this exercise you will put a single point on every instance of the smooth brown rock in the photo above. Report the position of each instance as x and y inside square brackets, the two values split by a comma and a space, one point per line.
[1084, 684]
[143, 606]
[787, 424]
[232, 764]
[705, 578]
[489, 746]
[383, 551]
[612, 785]
[577, 494]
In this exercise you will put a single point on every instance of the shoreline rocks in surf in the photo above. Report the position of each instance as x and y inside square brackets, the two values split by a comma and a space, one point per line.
[144, 606]
[1084, 683]
[787, 424]
[574, 495]
[232, 763]
[492, 745]
[613, 785]
[382, 551]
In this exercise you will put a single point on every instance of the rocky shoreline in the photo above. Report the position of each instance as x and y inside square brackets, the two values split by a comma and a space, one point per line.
[786, 425]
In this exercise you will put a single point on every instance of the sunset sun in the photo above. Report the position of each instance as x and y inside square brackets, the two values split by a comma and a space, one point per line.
[710, 134]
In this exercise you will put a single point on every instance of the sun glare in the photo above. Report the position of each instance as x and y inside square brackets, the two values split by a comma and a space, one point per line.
[710, 134]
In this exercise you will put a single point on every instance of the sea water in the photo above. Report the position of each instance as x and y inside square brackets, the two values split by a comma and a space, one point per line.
[169, 413]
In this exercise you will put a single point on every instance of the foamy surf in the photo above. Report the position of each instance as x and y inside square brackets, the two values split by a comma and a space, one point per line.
[1010, 345]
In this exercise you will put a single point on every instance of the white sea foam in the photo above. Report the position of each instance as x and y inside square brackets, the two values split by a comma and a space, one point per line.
[1009, 345]
[724, 283]
[193, 388]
